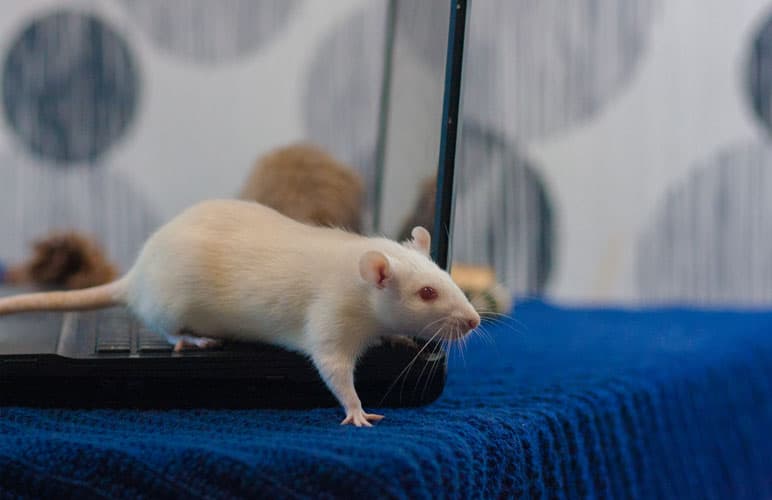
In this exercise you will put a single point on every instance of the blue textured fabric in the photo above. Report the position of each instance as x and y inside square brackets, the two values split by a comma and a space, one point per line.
[563, 403]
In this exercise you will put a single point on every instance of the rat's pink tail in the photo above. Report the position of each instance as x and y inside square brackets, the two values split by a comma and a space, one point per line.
[97, 297]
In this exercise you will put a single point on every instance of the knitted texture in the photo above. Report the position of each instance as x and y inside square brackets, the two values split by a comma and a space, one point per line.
[560, 403]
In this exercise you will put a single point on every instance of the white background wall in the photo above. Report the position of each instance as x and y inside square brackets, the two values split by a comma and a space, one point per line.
[686, 101]
[200, 127]
[616, 155]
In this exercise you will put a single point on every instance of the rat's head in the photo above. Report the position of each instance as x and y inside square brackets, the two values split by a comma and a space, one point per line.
[413, 295]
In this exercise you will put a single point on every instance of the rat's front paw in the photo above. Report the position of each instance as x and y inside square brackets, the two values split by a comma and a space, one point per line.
[360, 418]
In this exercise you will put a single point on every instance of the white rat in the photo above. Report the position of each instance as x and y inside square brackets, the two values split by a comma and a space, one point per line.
[323, 292]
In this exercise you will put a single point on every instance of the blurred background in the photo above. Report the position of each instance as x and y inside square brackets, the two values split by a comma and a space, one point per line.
[611, 150]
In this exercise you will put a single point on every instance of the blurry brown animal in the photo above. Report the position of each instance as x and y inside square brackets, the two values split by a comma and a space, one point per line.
[306, 183]
[423, 213]
[63, 260]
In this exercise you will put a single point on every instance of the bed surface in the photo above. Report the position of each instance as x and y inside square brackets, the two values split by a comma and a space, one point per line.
[558, 402]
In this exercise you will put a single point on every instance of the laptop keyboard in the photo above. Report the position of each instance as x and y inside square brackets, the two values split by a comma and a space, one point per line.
[116, 332]
[148, 341]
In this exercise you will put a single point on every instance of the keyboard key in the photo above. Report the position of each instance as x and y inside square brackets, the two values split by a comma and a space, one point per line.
[113, 332]
[106, 348]
[148, 341]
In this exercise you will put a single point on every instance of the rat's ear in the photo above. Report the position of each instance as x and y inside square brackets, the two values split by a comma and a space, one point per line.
[374, 268]
[421, 241]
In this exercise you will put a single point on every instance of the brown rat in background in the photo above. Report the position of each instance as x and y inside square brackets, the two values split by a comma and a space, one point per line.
[306, 183]
[423, 213]
[68, 260]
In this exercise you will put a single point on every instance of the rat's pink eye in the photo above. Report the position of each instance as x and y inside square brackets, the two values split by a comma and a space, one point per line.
[427, 293]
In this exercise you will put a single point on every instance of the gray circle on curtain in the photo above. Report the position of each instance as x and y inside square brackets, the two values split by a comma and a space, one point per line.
[536, 68]
[341, 101]
[503, 212]
[759, 74]
[210, 32]
[70, 87]
[709, 240]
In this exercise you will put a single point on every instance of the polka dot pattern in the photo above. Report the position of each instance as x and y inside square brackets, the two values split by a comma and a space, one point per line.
[210, 32]
[535, 69]
[70, 87]
[759, 74]
[710, 237]
[343, 87]
[536, 72]
[503, 213]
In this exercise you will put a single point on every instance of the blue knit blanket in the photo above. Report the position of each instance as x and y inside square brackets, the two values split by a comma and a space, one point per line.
[563, 403]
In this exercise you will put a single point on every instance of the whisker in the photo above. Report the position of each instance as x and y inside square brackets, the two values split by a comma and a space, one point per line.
[460, 343]
[500, 323]
[495, 321]
[406, 370]
[412, 362]
[434, 370]
[483, 333]
[430, 324]
[499, 316]
[420, 375]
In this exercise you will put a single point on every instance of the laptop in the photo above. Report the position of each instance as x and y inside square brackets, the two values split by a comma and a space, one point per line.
[106, 358]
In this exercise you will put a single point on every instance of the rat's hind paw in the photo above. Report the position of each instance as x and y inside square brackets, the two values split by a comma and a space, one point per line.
[360, 418]
[206, 343]
[197, 343]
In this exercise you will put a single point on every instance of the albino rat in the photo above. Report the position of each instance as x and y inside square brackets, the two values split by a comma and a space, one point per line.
[323, 292]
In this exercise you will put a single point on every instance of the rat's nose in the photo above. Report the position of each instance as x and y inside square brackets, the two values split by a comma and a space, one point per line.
[473, 323]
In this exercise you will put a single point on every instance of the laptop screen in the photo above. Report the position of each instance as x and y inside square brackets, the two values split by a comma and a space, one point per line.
[165, 115]
[416, 140]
